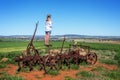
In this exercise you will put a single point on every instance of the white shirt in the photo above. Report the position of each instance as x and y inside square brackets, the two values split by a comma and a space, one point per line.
[48, 26]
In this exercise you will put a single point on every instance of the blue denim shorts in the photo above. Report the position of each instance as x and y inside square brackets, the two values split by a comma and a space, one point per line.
[46, 32]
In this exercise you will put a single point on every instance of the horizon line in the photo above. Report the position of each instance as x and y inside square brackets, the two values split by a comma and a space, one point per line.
[63, 35]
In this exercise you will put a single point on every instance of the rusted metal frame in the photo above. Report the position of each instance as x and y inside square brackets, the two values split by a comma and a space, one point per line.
[30, 45]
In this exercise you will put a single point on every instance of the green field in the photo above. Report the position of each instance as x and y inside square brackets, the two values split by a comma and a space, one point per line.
[107, 54]
[22, 45]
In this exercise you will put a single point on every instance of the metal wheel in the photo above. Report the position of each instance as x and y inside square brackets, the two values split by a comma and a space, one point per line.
[91, 58]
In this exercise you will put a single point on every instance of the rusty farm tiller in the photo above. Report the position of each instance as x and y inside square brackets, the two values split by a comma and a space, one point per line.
[26, 59]
[74, 55]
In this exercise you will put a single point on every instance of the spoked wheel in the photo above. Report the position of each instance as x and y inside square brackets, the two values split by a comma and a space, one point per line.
[91, 58]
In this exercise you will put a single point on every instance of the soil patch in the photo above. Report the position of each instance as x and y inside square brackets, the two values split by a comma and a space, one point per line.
[39, 75]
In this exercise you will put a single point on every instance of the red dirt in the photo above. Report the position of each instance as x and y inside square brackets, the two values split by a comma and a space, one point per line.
[39, 75]
[109, 67]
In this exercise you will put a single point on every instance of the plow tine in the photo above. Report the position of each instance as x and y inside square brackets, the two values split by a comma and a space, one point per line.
[33, 34]
[62, 45]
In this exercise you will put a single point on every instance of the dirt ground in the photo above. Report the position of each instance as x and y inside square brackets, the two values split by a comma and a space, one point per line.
[39, 75]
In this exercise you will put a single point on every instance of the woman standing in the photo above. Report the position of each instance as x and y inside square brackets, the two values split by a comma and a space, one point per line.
[48, 28]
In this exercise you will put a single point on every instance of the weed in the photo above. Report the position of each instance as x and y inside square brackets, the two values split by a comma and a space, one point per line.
[74, 67]
[37, 76]
[115, 74]
[83, 63]
[9, 77]
[107, 61]
[85, 74]
[25, 69]
[64, 67]
[117, 57]
[53, 72]
[2, 65]
[99, 68]
[68, 78]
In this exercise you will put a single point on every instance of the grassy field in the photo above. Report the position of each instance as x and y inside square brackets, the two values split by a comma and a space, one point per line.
[107, 54]
[22, 45]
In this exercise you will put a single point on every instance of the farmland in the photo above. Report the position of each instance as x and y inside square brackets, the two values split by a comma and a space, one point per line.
[106, 68]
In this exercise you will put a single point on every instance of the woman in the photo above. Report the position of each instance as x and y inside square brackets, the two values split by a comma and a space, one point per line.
[48, 28]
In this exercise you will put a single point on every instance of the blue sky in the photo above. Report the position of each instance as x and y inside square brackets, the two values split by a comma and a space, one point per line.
[84, 17]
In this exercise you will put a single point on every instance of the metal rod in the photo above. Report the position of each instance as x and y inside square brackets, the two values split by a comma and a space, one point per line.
[62, 45]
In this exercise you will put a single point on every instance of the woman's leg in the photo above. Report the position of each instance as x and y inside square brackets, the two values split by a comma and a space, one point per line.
[47, 37]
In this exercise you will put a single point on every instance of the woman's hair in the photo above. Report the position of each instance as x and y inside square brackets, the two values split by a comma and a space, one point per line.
[48, 16]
